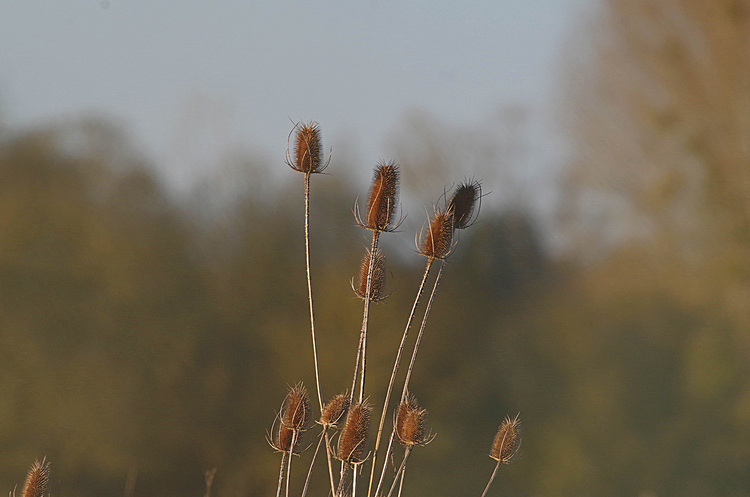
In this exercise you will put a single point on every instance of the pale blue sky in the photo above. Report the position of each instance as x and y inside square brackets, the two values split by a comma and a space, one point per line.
[191, 79]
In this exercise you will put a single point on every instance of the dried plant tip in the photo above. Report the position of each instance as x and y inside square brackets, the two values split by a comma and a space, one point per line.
[293, 419]
[308, 153]
[437, 240]
[464, 204]
[376, 281]
[507, 441]
[353, 438]
[37, 480]
[410, 423]
[335, 410]
[381, 203]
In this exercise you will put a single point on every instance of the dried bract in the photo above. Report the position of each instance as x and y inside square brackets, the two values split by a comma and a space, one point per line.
[353, 438]
[293, 420]
[410, 423]
[334, 410]
[507, 441]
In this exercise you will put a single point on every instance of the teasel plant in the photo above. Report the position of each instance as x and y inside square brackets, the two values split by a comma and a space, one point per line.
[37, 480]
[348, 414]
[505, 445]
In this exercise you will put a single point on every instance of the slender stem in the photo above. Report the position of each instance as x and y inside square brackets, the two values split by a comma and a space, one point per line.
[281, 474]
[366, 315]
[400, 471]
[491, 478]
[315, 456]
[393, 375]
[289, 461]
[309, 288]
[342, 481]
[401, 483]
[329, 451]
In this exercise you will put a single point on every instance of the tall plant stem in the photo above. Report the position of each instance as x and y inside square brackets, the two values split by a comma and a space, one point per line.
[400, 472]
[329, 451]
[361, 362]
[491, 478]
[395, 370]
[315, 456]
[281, 474]
[295, 434]
[309, 289]
[411, 363]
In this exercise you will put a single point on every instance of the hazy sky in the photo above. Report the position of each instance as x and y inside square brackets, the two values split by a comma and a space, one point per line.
[190, 79]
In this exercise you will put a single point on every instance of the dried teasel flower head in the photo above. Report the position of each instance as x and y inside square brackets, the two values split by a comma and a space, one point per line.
[37, 479]
[335, 410]
[410, 423]
[381, 202]
[293, 420]
[353, 437]
[507, 441]
[465, 203]
[308, 152]
[437, 239]
[377, 280]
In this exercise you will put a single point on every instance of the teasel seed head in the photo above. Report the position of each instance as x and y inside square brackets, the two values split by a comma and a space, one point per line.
[437, 240]
[37, 479]
[308, 152]
[376, 281]
[335, 410]
[293, 420]
[464, 204]
[353, 437]
[381, 203]
[507, 440]
[410, 423]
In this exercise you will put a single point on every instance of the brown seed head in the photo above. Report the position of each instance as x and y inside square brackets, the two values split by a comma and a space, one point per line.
[353, 438]
[335, 410]
[507, 441]
[293, 419]
[410, 423]
[308, 153]
[438, 238]
[464, 204]
[37, 480]
[376, 281]
[381, 203]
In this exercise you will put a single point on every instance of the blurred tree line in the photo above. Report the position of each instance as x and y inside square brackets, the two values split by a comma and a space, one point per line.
[147, 339]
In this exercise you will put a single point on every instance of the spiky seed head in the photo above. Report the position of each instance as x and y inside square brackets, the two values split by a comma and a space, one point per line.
[293, 419]
[410, 423]
[353, 437]
[507, 441]
[37, 480]
[308, 152]
[381, 203]
[335, 410]
[378, 276]
[464, 204]
[437, 240]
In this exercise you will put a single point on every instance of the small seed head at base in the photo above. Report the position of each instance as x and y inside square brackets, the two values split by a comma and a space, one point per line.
[37, 480]
[353, 437]
[376, 281]
[410, 423]
[464, 204]
[293, 420]
[507, 441]
[381, 202]
[335, 410]
[308, 152]
[437, 240]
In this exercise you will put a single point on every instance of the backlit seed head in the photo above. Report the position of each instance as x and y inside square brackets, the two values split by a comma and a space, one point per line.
[464, 204]
[37, 479]
[335, 411]
[507, 441]
[308, 152]
[353, 437]
[381, 203]
[293, 420]
[376, 281]
[410, 423]
[437, 240]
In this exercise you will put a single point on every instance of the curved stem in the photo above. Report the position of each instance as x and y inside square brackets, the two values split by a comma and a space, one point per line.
[400, 471]
[393, 379]
[362, 348]
[281, 474]
[315, 456]
[491, 478]
[309, 288]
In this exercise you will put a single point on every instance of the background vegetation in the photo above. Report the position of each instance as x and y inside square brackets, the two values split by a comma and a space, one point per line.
[147, 338]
